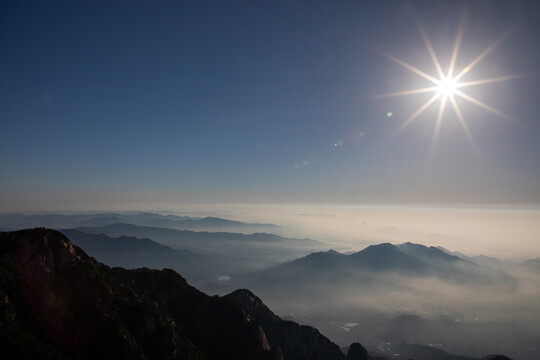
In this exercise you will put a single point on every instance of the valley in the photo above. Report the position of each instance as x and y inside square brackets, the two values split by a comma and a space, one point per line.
[382, 296]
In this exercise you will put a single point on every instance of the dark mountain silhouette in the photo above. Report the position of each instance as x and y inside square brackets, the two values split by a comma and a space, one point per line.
[286, 335]
[357, 352]
[57, 302]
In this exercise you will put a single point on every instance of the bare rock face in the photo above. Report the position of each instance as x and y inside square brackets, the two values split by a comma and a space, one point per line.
[38, 254]
[36, 257]
[287, 338]
[57, 302]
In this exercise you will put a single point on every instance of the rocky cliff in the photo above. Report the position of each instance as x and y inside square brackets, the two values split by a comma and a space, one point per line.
[57, 302]
[293, 341]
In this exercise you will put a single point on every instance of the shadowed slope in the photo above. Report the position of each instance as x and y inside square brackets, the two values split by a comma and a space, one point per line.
[58, 302]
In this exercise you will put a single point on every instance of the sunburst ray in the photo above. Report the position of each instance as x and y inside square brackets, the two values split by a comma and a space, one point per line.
[405, 92]
[483, 105]
[418, 112]
[438, 125]
[493, 80]
[430, 49]
[447, 85]
[464, 124]
[410, 67]
[481, 57]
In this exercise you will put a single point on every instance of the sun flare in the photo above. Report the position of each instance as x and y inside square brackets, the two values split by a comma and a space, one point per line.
[447, 84]
[447, 87]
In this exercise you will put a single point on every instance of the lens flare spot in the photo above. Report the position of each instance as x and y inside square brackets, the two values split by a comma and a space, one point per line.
[389, 114]
[338, 144]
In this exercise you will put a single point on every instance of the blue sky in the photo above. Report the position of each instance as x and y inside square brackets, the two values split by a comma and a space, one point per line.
[130, 102]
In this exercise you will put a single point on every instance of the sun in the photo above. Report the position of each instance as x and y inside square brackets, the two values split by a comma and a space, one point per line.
[447, 86]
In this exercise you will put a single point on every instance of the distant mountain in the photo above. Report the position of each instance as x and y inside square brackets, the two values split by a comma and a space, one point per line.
[329, 287]
[479, 259]
[258, 249]
[487, 261]
[215, 222]
[57, 221]
[131, 252]
[533, 264]
[404, 259]
[426, 253]
[387, 257]
[59, 303]
[177, 237]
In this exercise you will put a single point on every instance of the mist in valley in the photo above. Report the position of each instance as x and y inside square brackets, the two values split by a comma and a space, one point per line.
[378, 275]
[366, 167]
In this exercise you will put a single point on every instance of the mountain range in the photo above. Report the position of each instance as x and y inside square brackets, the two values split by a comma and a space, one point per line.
[257, 250]
[387, 295]
[131, 252]
[57, 302]
[328, 269]
[57, 221]
[329, 289]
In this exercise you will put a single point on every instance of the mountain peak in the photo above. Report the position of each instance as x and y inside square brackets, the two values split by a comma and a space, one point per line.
[285, 336]
[39, 253]
[426, 253]
[333, 252]
[93, 311]
[357, 352]
[379, 249]
[411, 245]
[252, 304]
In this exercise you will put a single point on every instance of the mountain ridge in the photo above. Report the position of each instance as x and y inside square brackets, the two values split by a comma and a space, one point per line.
[407, 258]
[131, 252]
[74, 306]
[16, 221]
[257, 249]
[125, 227]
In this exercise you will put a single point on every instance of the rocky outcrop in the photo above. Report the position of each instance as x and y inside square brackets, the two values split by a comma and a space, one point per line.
[357, 352]
[65, 304]
[292, 340]
[37, 254]
[56, 302]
